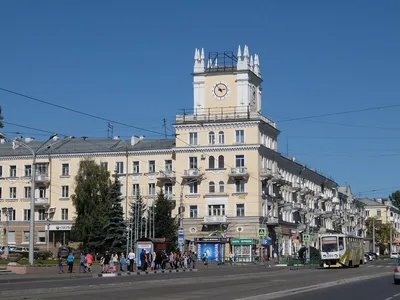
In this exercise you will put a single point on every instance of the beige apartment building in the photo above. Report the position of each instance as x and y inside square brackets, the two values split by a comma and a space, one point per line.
[223, 168]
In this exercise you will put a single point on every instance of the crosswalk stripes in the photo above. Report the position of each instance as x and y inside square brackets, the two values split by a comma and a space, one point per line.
[378, 266]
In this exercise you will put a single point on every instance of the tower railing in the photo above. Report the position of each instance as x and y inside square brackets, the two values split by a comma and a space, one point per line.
[213, 114]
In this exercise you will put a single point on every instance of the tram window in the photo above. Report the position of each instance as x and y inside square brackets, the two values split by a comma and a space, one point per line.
[341, 244]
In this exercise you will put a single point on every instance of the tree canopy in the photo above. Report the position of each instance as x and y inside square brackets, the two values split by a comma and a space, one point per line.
[382, 230]
[165, 225]
[91, 204]
[395, 198]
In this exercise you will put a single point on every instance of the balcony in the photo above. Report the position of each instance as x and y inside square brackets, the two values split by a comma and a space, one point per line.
[215, 219]
[41, 201]
[42, 178]
[266, 173]
[220, 114]
[191, 174]
[239, 172]
[166, 175]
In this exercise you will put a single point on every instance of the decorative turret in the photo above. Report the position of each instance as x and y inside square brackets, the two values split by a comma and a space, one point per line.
[247, 61]
[198, 61]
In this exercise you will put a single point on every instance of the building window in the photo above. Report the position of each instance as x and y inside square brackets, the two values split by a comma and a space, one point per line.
[193, 188]
[135, 167]
[25, 237]
[152, 166]
[1, 171]
[41, 214]
[41, 169]
[367, 213]
[211, 187]
[119, 167]
[216, 210]
[239, 210]
[13, 193]
[239, 161]
[221, 137]
[211, 138]
[239, 136]
[168, 189]
[239, 186]
[221, 162]
[64, 214]
[28, 171]
[193, 138]
[104, 165]
[65, 191]
[193, 211]
[221, 187]
[135, 189]
[27, 192]
[42, 193]
[65, 170]
[168, 165]
[378, 213]
[192, 162]
[11, 237]
[27, 214]
[152, 188]
[41, 237]
[13, 171]
[1, 196]
[211, 162]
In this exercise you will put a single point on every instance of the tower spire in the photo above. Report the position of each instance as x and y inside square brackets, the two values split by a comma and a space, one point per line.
[198, 63]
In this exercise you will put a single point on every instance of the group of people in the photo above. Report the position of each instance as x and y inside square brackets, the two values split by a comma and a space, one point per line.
[111, 262]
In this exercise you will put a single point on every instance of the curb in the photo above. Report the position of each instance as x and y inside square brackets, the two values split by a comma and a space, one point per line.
[144, 273]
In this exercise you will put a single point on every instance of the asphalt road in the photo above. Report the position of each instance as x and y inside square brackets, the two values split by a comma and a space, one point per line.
[375, 289]
[219, 283]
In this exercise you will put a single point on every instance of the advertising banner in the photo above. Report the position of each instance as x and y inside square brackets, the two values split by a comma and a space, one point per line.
[214, 251]
[148, 247]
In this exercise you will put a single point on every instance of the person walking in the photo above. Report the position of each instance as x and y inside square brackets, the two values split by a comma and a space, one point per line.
[70, 262]
[60, 265]
[89, 262]
[131, 257]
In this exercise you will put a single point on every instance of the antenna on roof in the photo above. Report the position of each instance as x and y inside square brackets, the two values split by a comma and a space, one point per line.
[110, 130]
[165, 127]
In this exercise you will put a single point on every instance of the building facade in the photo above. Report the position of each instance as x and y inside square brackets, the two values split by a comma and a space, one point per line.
[223, 170]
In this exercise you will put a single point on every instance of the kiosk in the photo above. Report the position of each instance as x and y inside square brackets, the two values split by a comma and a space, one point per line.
[143, 244]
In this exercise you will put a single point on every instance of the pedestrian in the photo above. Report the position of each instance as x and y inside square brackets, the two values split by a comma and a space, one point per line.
[143, 260]
[102, 258]
[107, 259]
[70, 262]
[131, 257]
[89, 262]
[115, 261]
[60, 265]
[122, 262]
[82, 263]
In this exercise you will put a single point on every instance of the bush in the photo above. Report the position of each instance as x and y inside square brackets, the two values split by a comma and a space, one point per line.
[43, 255]
[15, 255]
[314, 254]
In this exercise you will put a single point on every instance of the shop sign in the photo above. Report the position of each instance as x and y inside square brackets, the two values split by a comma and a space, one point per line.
[243, 241]
[210, 240]
[59, 227]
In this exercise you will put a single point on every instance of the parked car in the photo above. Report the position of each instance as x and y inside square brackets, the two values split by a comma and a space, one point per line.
[372, 255]
[394, 255]
[369, 257]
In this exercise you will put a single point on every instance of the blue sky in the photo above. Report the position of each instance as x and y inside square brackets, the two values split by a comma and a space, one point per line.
[131, 61]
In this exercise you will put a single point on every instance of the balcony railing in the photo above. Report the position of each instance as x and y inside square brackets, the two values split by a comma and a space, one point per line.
[191, 173]
[166, 175]
[239, 172]
[215, 219]
[266, 173]
[41, 201]
[42, 177]
[221, 114]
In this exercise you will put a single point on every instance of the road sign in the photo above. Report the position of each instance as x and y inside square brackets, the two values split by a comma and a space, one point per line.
[180, 230]
[306, 237]
[180, 241]
[180, 236]
[262, 232]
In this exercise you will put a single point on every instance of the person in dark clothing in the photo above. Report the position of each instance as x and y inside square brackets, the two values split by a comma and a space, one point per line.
[158, 261]
[143, 260]
[107, 259]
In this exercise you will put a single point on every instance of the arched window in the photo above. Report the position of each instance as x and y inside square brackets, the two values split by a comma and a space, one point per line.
[221, 137]
[221, 162]
[211, 138]
[221, 187]
[211, 162]
[211, 187]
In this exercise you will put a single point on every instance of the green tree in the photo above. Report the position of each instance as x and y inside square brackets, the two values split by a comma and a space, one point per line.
[91, 203]
[395, 198]
[165, 225]
[115, 227]
[382, 230]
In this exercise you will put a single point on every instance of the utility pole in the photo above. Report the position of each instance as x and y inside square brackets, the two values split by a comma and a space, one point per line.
[373, 235]
[165, 127]
[390, 238]
[308, 233]
[181, 245]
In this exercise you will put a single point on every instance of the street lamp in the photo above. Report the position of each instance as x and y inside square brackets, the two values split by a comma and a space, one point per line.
[7, 211]
[49, 217]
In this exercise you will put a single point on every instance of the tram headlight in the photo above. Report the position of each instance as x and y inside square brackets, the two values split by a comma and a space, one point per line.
[336, 255]
[324, 256]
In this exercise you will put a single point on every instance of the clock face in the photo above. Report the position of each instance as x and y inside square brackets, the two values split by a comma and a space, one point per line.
[220, 91]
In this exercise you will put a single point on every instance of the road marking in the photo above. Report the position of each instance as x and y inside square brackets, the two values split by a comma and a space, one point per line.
[306, 289]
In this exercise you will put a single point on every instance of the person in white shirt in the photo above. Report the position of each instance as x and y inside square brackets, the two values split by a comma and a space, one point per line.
[131, 257]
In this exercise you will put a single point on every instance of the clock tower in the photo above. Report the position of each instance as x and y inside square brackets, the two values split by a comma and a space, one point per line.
[223, 80]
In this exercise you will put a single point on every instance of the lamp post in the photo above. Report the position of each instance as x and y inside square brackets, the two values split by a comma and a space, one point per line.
[48, 216]
[7, 211]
